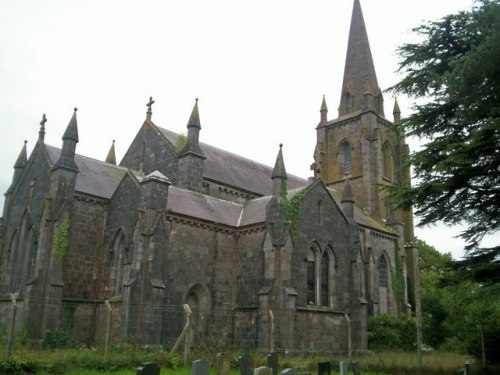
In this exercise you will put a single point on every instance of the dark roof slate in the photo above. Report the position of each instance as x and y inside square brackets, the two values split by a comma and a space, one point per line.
[95, 177]
[236, 171]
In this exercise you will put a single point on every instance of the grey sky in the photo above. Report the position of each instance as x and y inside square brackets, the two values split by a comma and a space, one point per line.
[259, 67]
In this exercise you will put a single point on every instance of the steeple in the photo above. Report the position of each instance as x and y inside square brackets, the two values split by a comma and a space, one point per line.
[396, 112]
[279, 166]
[323, 111]
[193, 137]
[191, 159]
[70, 139]
[359, 71]
[111, 158]
[21, 161]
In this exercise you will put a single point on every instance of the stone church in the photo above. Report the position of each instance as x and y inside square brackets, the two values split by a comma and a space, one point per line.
[263, 258]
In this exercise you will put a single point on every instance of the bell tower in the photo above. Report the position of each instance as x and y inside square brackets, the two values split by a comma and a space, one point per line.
[361, 142]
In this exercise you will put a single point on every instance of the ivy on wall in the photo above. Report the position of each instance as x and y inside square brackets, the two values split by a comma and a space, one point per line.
[291, 207]
[180, 142]
[60, 247]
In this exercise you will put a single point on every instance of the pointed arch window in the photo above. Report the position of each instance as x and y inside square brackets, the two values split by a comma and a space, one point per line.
[382, 272]
[345, 158]
[311, 277]
[325, 270]
[120, 260]
[388, 167]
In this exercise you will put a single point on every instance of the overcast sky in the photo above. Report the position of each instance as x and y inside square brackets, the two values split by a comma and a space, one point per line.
[259, 69]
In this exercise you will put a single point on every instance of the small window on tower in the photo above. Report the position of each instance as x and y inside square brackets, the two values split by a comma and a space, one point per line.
[348, 102]
[346, 158]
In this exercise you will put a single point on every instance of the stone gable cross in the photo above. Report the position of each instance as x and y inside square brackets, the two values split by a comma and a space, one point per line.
[149, 105]
[41, 133]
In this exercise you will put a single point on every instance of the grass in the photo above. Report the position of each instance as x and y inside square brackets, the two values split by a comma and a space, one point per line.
[123, 360]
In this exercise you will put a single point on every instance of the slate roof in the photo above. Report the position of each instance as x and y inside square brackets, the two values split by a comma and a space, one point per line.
[236, 171]
[95, 177]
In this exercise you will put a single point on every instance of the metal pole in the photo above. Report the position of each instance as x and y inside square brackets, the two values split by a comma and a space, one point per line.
[349, 337]
[271, 335]
[108, 329]
[187, 340]
[12, 327]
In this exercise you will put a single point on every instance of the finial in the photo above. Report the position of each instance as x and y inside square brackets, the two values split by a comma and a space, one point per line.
[75, 109]
[25, 141]
[281, 145]
[41, 133]
[149, 105]
[196, 100]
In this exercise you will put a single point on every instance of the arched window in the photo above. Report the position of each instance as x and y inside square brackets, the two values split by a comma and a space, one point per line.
[382, 272]
[345, 158]
[325, 269]
[120, 259]
[311, 277]
[388, 167]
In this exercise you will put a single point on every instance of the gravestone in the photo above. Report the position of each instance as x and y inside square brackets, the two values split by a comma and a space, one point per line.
[222, 365]
[344, 368]
[200, 367]
[289, 371]
[272, 362]
[264, 370]
[148, 368]
[355, 368]
[324, 368]
[246, 365]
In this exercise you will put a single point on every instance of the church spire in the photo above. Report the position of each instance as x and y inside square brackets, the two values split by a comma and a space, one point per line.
[111, 158]
[359, 71]
[193, 137]
[21, 162]
[279, 173]
[323, 111]
[70, 139]
[396, 112]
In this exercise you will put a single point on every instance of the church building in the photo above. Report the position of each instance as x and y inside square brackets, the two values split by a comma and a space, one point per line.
[263, 259]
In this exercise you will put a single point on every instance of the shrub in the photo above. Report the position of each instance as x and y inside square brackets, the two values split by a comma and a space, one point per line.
[386, 332]
[59, 339]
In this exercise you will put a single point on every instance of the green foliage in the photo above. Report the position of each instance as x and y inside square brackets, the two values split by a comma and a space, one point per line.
[180, 142]
[457, 173]
[59, 339]
[292, 209]
[60, 247]
[386, 332]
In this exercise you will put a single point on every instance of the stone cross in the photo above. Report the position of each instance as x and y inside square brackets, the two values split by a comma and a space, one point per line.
[149, 105]
[41, 133]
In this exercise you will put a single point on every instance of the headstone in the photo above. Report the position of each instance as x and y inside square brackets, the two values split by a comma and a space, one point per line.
[200, 367]
[246, 365]
[272, 361]
[467, 368]
[264, 370]
[355, 368]
[290, 371]
[344, 368]
[222, 365]
[148, 368]
[324, 368]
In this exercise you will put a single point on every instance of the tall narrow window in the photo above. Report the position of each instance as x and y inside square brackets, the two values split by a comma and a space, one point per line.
[320, 212]
[382, 272]
[388, 168]
[325, 267]
[311, 278]
[346, 158]
[119, 251]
